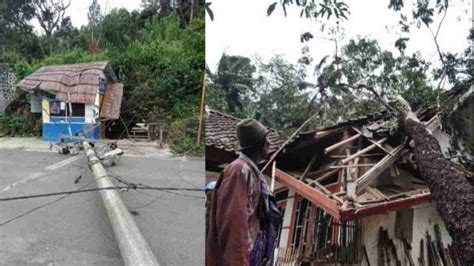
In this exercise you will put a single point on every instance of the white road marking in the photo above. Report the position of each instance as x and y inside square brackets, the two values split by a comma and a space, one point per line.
[38, 175]
[62, 163]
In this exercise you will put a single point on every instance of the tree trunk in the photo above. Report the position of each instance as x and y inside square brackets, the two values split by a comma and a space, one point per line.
[450, 190]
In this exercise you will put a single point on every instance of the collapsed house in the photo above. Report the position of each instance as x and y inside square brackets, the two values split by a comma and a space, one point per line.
[74, 99]
[349, 193]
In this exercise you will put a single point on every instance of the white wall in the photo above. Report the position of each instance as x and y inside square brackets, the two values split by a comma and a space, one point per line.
[370, 234]
[425, 217]
[287, 220]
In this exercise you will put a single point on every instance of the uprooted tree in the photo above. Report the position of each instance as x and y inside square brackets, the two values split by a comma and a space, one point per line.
[450, 190]
[453, 194]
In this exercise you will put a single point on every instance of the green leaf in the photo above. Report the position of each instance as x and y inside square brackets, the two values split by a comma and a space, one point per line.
[301, 2]
[209, 11]
[329, 13]
[271, 8]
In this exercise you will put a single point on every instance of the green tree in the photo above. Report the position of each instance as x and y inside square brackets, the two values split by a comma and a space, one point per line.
[16, 33]
[280, 94]
[449, 189]
[234, 76]
[94, 17]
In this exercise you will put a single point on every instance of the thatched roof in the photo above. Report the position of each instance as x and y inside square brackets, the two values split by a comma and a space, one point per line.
[81, 81]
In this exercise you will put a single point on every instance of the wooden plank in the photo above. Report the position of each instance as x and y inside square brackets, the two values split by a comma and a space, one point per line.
[378, 193]
[341, 143]
[326, 175]
[385, 207]
[308, 167]
[325, 133]
[373, 142]
[365, 150]
[363, 155]
[311, 194]
[355, 165]
[379, 168]
[374, 194]
[323, 169]
[318, 185]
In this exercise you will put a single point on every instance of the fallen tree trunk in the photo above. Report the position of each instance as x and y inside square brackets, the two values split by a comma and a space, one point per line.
[450, 190]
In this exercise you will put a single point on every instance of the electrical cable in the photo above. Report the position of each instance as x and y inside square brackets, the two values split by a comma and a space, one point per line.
[131, 186]
[134, 185]
[42, 206]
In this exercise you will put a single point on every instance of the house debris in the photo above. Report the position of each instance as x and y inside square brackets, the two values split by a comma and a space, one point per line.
[74, 98]
[349, 193]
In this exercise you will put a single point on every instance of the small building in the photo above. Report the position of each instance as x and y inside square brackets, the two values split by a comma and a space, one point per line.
[74, 99]
[350, 194]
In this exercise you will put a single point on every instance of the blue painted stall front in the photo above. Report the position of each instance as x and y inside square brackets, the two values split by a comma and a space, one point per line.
[56, 123]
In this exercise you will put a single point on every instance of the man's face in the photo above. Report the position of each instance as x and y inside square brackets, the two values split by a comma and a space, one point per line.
[266, 148]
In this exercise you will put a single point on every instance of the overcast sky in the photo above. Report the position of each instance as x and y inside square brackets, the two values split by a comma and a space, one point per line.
[242, 28]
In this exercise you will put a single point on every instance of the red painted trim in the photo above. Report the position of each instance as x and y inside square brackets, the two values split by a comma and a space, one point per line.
[313, 195]
[385, 207]
[333, 188]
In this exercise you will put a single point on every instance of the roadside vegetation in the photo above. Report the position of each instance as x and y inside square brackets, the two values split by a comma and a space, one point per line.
[157, 53]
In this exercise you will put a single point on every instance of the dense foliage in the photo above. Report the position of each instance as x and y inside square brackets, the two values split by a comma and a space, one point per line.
[158, 56]
[359, 78]
[281, 97]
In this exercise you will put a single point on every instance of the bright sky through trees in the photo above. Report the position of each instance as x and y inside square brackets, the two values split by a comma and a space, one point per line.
[242, 28]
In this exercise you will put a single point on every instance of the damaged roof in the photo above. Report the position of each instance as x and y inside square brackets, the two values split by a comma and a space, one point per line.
[80, 81]
[221, 134]
[352, 169]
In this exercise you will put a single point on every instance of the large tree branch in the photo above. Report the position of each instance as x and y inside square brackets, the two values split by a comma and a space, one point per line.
[435, 37]
[374, 92]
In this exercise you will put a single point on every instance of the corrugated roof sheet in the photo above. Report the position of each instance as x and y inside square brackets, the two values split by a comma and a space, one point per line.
[81, 81]
[112, 101]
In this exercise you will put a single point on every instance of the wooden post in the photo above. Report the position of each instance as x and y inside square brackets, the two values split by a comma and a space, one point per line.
[273, 176]
[161, 137]
[201, 111]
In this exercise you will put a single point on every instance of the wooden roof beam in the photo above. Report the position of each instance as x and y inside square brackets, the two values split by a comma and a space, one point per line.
[315, 196]
[379, 168]
[384, 207]
[341, 143]
[373, 142]
[363, 151]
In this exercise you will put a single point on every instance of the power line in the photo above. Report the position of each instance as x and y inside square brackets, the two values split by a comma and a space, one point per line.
[140, 185]
[131, 186]
[42, 206]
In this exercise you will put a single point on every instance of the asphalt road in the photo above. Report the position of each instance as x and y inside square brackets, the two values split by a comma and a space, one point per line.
[75, 230]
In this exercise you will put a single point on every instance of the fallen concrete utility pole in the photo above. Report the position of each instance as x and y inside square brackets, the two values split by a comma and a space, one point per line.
[133, 247]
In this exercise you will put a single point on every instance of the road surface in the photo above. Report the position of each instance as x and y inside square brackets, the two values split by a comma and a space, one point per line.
[75, 230]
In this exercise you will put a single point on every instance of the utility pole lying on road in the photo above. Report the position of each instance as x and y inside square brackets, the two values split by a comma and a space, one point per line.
[133, 247]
